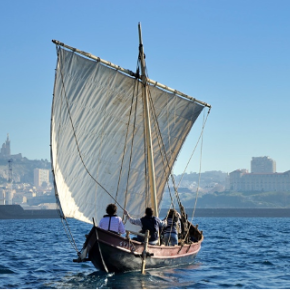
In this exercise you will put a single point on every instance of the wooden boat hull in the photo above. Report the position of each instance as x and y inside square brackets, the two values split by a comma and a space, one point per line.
[119, 254]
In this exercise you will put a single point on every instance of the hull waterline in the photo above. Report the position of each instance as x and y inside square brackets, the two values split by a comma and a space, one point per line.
[113, 253]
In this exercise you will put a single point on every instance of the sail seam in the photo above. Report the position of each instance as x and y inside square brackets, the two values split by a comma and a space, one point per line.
[77, 144]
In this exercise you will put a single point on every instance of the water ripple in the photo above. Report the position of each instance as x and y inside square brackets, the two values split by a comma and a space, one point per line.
[236, 253]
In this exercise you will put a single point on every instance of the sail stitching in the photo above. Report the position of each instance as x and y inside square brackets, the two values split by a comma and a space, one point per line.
[125, 146]
[164, 159]
[160, 136]
[182, 210]
[200, 136]
[132, 143]
[197, 189]
[77, 144]
[163, 153]
[124, 150]
[63, 218]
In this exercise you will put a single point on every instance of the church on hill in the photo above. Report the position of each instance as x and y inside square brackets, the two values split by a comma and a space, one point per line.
[5, 152]
[5, 149]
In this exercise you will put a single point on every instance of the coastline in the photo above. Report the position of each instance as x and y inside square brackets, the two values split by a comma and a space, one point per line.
[236, 212]
[17, 212]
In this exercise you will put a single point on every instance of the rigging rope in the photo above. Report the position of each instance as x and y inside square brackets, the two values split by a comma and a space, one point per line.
[133, 136]
[200, 136]
[162, 149]
[197, 189]
[125, 144]
[160, 143]
[63, 219]
[200, 161]
[66, 225]
[167, 163]
[159, 135]
[78, 147]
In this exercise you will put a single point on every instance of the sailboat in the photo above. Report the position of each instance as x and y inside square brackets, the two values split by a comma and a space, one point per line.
[115, 136]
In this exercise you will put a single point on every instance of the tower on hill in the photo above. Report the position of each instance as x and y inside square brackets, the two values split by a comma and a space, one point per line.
[5, 149]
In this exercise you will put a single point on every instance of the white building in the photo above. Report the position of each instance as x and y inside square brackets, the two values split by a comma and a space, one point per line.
[263, 165]
[40, 176]
[242, 180]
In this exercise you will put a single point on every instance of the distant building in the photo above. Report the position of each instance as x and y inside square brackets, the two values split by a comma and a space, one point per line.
[241, 180]
[263, 165]
[5, 149]
[263, 177]
[40, 176]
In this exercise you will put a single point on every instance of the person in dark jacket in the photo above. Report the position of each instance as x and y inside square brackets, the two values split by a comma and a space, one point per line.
[170, 232]
[148, 222]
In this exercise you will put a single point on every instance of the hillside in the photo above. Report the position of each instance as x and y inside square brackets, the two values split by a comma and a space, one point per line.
[211, 184]
[22, 169]
[232, 199]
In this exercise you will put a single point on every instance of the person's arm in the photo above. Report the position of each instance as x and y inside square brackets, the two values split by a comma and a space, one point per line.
[162, 223]
[179, 226]
[136, 222]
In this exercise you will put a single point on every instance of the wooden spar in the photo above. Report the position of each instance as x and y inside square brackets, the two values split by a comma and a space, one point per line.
[108, 63]
[156, 84]
[144, 254]
[130, 73]
[151, 169]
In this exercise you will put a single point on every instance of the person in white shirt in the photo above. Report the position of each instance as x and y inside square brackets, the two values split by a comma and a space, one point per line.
[111, 221]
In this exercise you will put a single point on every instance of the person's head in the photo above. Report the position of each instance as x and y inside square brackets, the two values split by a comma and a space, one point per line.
[172, 213]
[111, 209]
[149, 212]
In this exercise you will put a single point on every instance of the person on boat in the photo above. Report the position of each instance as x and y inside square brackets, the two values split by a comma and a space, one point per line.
[111, 221]
[173, 228]
[148, 222]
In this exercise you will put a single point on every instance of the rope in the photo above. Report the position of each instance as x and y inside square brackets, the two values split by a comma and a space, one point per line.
[200, 136]
[167, 163]
[163, 152]
[69, 234]
[125, 145]
[77, 144]
[100, 251]
[159, 136]
[133, 137]
[63, 219]
[197, 189]
[66, 226]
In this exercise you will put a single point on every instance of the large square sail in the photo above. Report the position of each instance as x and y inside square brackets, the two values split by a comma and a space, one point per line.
[97, 137]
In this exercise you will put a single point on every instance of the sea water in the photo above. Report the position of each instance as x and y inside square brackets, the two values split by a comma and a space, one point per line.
[236, 253]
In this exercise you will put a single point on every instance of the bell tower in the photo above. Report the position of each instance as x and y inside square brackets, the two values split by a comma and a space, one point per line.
[8, 151]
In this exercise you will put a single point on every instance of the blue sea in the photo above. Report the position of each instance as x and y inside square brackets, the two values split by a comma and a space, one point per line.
[236, 253]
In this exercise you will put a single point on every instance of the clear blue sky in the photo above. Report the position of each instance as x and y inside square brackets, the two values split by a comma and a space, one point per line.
[233, 54]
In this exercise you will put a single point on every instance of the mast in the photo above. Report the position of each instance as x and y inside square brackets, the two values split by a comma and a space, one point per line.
[151, 168]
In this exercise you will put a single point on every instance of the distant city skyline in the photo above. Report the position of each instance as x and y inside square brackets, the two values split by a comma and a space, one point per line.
[233, 55]
[255, 163]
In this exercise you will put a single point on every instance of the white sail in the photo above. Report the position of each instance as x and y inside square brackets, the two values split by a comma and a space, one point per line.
[97, 138]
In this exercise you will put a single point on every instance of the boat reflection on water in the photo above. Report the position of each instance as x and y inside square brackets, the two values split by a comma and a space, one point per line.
[157, 279]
